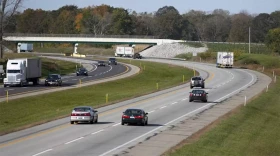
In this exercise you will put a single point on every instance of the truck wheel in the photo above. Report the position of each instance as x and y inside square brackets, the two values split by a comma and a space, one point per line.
[5, 86]
[21, 84]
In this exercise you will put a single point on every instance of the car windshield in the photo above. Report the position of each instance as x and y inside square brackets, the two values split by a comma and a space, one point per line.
[82, 109]
[53, 77]
[13, 71]
[82, 69]
[133, 112]
[112, 59]
[196, 78]
[198, 91]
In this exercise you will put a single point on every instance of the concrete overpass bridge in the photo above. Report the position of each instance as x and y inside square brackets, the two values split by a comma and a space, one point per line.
[75, 39]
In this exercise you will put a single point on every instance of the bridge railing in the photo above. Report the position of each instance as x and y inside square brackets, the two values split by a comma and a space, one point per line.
[79, 35]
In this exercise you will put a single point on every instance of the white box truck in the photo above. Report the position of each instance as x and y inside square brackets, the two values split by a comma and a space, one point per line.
[26, 47]
[225, 59]
[20, 72]
[124, 51]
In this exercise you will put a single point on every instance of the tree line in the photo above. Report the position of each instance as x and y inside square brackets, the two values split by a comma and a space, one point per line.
[194, 25]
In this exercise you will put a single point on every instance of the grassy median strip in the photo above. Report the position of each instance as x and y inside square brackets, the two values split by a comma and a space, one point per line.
[24, 112]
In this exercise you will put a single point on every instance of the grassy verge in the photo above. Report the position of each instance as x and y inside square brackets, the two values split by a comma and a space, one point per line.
[254, 130]
[42, 108]
[193, 44]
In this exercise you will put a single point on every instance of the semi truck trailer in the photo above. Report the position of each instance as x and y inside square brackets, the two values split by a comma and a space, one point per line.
[225, 59]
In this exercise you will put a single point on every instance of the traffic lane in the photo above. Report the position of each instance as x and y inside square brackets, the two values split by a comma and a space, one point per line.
[73, 133]
[99, 73]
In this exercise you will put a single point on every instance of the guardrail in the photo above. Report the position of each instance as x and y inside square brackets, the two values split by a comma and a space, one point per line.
[79, 35]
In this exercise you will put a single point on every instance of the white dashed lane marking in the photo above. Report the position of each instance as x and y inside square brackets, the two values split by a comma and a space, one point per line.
[73, 140]
[97, 132]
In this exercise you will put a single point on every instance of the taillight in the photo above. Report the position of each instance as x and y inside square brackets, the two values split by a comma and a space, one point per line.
[125, 116]
[191, 94]
[87, 114]
[138, 117]
[73, 114]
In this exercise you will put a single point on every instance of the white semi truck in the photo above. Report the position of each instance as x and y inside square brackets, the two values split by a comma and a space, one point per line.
[20, 72]
[124, 51]
[225, 59]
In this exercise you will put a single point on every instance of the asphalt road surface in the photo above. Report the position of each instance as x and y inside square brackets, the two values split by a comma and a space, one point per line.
[108, 137]
[95, 73]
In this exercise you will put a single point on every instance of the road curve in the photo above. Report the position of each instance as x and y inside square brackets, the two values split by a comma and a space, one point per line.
[166, 108]
[96, 75]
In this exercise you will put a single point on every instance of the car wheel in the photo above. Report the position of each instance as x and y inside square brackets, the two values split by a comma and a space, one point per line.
[143, 123]
[205, 100]
[146, 122]
[5, 86]
[77, 74]
[96, 120]
[191, 87]
[71, 122]
[122, 123]
[91, 121]
[190, 100]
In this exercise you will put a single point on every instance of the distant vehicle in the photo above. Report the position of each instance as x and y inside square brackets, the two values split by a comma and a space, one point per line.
[53, 79]
[225, 59]
[26, 47]
[101, 63]
[124, 51]
[137, 56]
[134, 116]
[112, 61]
[22, 71]
[84, 114]
[200, 95]
[82, 71]
[197, 81]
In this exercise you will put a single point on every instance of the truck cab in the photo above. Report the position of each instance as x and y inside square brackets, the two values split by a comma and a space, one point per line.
[15, 73]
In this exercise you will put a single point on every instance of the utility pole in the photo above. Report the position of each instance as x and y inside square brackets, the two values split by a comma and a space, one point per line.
[249, 40]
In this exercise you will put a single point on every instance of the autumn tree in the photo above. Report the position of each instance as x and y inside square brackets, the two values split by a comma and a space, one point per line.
[121, 22]
[8, 9]
[273, 40]
[169, 22]
[240, 27]
[261, 24]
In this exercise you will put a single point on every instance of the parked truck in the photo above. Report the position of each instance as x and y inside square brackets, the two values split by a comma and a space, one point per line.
[124, 51]
[225, 59]
[19, 72]
[26, 47]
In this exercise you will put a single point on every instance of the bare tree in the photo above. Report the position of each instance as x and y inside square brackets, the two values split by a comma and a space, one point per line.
[8, 8]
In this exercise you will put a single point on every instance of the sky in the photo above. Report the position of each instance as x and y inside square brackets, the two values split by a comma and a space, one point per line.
[183, 6]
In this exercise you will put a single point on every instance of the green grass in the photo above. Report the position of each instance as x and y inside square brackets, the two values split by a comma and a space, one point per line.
[254, 131]
[81, 50]
[193, 44]
[38, 109]
[267, 61]
[255, 48]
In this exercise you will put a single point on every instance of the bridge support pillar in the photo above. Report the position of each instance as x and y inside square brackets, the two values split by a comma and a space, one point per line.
[76, 48]
[18, 47]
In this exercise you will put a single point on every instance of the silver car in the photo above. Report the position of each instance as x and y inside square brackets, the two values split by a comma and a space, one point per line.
[84, 114]
[197, 81]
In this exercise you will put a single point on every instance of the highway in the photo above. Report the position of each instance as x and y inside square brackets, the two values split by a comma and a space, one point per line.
[95, 73]
[108, 137]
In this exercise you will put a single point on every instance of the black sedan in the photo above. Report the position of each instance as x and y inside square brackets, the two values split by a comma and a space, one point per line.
[101, 63]
[200, 95]
[134, 116]
[53, 79]
[82, 71]
[112, 61]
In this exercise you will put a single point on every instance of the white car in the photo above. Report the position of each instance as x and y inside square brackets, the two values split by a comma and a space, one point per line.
[84, 114]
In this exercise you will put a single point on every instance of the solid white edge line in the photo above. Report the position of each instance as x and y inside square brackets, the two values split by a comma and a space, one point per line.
[151, 111]
[74, 140]
[42, 152]
[116, 124]
[97, 131]
[179, 117]
[162, 107]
